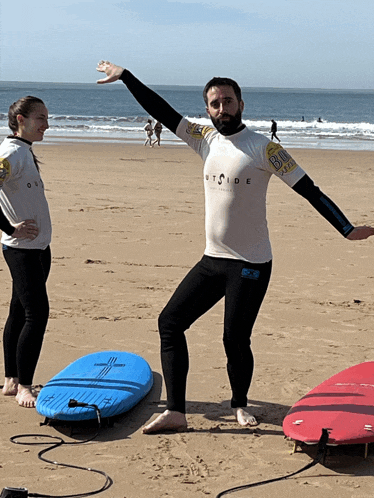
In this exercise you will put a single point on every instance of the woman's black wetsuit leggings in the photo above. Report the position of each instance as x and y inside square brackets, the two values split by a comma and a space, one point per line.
[244, 287]
[28, 312]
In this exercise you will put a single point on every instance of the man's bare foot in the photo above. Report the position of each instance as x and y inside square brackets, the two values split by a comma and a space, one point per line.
[244, 418]
[167, 421]
[10, 387]
[112, 72]
[25, 397]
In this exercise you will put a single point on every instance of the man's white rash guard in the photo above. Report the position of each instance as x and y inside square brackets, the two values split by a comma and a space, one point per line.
[237, 170]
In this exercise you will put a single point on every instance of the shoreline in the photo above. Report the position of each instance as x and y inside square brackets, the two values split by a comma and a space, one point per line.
[312, 144]
[330, 144]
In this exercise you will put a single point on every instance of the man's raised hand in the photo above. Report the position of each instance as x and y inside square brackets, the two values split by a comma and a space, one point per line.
[112, 71]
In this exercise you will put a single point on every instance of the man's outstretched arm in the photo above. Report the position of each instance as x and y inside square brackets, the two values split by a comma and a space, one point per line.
[330, 211]
[155, 105]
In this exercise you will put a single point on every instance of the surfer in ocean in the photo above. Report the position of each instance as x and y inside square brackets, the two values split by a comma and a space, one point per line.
[236, 265]
[28, 257]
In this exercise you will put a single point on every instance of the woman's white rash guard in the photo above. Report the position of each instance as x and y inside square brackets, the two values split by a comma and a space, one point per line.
[22, 194]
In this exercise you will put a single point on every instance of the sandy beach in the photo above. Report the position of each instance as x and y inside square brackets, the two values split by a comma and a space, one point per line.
[128, 223]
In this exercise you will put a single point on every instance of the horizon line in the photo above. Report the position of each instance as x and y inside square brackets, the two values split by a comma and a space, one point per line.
[243, 87]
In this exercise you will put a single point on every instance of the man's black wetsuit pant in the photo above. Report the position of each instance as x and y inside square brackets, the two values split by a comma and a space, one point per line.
[244, 287]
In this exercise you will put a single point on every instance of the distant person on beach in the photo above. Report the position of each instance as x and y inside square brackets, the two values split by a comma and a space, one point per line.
[236, 265]
[158, 131]
[273, 130]
[319, 120]
[149, 132]
[26, 250]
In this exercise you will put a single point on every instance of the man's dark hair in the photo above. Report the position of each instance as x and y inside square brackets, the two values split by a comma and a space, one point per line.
[216, 81]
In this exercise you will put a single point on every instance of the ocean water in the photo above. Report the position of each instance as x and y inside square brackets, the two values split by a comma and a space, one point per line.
[109, 112]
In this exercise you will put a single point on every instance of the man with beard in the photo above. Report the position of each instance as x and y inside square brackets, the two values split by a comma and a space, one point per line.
[236, 264]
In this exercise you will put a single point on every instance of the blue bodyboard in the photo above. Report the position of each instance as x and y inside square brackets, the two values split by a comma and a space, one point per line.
[114, 381]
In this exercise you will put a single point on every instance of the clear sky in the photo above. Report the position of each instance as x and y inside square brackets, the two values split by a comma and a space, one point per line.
[272, 43]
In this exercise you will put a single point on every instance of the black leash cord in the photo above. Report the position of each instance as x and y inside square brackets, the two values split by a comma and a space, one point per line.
[59, 442]
[321, 449]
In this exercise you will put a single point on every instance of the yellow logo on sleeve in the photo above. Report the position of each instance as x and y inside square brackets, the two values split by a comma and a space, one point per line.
[5, 169]
[279, 159]
[198, 131]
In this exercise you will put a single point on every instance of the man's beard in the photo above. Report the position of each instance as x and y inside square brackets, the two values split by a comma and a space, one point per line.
[228, 127]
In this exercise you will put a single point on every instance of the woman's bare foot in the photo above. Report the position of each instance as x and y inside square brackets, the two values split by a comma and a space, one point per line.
[10, 387]
[244, 418]
[25, 397]
[167, 421]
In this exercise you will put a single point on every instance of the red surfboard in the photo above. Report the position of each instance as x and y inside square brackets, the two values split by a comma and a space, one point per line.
[342, 404]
